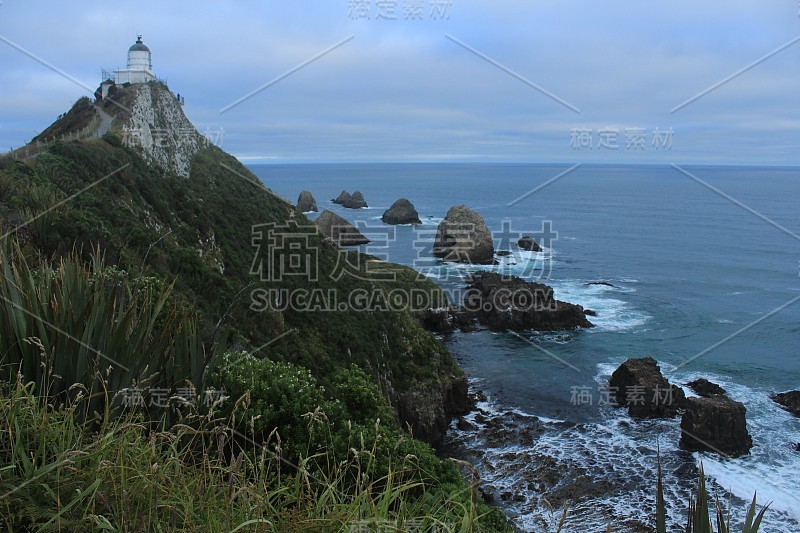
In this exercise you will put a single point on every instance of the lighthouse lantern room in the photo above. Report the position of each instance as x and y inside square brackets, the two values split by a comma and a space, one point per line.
[140, 65]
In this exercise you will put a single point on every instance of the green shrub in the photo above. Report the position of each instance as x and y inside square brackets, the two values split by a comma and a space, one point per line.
[57, 475]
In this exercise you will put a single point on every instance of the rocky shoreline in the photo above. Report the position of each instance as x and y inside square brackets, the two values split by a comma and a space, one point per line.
[518, 474]
[712, 422]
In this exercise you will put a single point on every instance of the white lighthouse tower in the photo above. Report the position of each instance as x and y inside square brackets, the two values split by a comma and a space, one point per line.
[140, 65]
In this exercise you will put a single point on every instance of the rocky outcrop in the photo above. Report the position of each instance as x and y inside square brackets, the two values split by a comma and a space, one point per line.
[789, 401]
[463, 237]
[705, 388]
[428, 407]
[511, 303]
[154, 123]
[306, 202]
[436, 320]
[351, 201]
[527, 243]
[715, 424]
[356, 201]
[339, 230]
[446, 320]
[343, 197]
[639, 385]
[401, 212]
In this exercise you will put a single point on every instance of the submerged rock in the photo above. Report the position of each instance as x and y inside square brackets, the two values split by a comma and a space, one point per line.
[789, 401]
[401, 212]
[339, 230]
[705, 388]
[463, 237]
[603, 283]
[639, 385]
[527, 243]
[306, 202]
[508, 302]
[715, 424]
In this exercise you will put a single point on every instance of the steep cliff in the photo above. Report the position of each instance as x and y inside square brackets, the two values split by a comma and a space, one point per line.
[160, 201]
[149, 117]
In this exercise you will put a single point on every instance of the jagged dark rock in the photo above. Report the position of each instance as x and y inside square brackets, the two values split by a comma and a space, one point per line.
[463, 237]
[339, 230]
[715, 424]
[527, 243]
[429, 407]
[436, 320]
[343, 197]
[503, 253]
[463, 321]
[639, 385]
[590, 312]
[705, 388]
[401, 212]
[508, 302]
[356, 201]
[306, 202]
[789, 401]
[465, 425]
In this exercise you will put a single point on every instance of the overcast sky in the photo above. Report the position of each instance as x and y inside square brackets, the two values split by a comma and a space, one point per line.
[460, 80]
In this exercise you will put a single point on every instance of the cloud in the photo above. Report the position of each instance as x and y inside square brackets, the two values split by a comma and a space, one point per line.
[401, 91]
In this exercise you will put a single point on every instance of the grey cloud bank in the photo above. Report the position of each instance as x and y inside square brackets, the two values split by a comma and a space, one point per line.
[401, 91]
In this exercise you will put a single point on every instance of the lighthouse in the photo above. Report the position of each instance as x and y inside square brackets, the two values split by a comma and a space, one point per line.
[140, 65]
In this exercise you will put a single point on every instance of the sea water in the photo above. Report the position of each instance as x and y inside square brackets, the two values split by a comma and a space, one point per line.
[702, 273]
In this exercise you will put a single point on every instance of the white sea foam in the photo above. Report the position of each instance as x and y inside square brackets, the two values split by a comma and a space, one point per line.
[432, 221]
[772, 465]
[613, 314]
[622, 452]
[770, 468]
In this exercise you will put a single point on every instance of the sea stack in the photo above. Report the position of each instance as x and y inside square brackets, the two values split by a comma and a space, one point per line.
[306, 203]
[356, 201]
[401, 212]
[351, 201]
[639, 385]
[463, 237]
[527, 243]
[715, 424]
[343, 197]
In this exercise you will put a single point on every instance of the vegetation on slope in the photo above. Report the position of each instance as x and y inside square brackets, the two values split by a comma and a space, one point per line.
[184, 230]
[119, 276]
[199, 475]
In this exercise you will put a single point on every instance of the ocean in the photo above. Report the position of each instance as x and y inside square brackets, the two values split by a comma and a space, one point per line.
[700, 271]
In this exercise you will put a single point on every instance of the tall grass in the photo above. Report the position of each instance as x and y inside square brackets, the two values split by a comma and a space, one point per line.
[73, 335]
[68, 323]
[198, 476]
